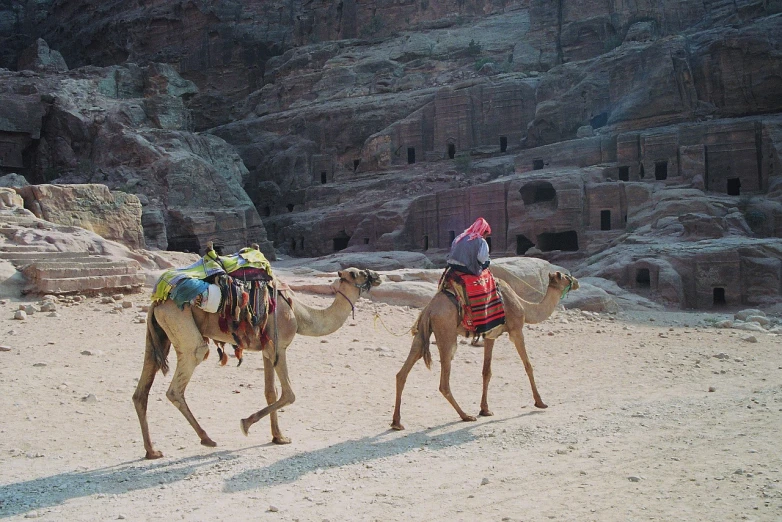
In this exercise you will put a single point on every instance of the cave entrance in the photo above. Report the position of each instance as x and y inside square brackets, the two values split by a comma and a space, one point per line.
[323, 177]
[734, 186]
[503, 143]
[184, 244]
[523, 244]
[426, 242]
[719, 297]
[451, 151]
[643, 278]
[537, 192]
[410, 155]
[451, 236]
[565, 241]
[605, 220]
[624, 173]
[537, 164]
[341, 241]
[661, 170]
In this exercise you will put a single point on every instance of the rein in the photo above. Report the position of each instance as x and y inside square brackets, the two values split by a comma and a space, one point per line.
[352, 307]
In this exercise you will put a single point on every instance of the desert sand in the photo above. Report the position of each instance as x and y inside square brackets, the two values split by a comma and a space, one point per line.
[652, 416]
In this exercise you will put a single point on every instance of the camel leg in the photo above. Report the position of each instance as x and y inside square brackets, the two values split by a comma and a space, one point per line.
[518, 339]
[141, 399]
[271, 397]
[416, 352]
[447, 352]
[185, 366]
[287, 397]
[488, 348]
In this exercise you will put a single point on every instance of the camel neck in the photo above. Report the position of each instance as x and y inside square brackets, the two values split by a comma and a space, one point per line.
[538, 312]
[315, 322]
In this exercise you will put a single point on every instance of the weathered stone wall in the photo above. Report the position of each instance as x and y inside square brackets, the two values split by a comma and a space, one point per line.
[112, 215]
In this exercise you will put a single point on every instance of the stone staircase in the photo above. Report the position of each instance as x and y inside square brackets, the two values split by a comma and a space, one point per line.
[49, 271]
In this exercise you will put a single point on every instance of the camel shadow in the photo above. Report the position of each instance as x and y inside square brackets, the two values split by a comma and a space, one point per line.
[23, 497]
[365, 449]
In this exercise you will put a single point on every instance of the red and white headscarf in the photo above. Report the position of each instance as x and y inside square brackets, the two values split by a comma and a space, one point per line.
[478, 229]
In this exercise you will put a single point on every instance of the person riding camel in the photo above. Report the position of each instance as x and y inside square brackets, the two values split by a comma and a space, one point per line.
[470, 251]
[470, 281]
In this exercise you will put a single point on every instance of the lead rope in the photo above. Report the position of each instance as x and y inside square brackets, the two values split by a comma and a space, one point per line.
[376, 317]
[276, 306]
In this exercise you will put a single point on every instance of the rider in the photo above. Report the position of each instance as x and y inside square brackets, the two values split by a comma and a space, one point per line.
[470, 251]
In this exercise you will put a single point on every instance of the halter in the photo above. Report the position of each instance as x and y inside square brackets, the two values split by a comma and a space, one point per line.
[364, 287]
[568, 287]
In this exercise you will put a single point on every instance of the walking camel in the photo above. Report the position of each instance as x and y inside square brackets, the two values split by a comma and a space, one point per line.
[189, 329]
[441, 317]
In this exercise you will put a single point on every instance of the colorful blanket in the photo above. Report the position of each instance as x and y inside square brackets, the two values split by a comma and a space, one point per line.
[481, 303]
[243, 280]
[208, 266]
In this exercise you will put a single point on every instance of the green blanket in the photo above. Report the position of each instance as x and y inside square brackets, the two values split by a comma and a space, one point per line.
[208, 266]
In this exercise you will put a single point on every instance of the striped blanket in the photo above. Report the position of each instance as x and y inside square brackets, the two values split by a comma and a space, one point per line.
[481, 303]
[207, 267]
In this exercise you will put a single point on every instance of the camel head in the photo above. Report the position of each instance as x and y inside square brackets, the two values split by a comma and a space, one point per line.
[364, 280]
[562, 282]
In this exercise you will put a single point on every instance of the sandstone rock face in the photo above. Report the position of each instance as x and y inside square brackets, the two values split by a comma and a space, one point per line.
[112, 215]
[578, 129]
[131, 136]
[39, 57]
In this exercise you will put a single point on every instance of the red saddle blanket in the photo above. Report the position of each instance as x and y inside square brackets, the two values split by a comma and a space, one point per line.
[483, 309]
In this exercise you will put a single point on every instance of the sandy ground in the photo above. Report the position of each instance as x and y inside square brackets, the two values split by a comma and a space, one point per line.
[632, 431]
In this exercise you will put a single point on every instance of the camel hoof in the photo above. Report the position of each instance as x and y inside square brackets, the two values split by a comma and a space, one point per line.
[245, 426]
[469, 418]
[486, 413]
[540, 405]
[281, 440]
[397, 426]
[154, 454]
[208, 442]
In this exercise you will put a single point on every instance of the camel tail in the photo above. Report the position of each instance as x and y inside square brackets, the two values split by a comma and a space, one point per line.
[422, 331]
[158, 343]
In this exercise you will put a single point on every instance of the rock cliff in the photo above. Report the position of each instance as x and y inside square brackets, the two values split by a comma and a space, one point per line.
[646, 131]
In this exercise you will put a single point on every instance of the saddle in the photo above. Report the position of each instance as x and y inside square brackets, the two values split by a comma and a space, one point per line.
[476, 297]
[236, 287]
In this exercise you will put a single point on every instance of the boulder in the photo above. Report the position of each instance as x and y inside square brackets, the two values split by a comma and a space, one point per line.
[373, 260]
[39, 57]
[591, 298]
[527, 276]
[112, 215]
[10, 199]
[13, 180]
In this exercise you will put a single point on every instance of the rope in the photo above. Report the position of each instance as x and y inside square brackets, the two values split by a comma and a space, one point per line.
[352, 308]
[532, 287]
[276, 336]
[377, 316]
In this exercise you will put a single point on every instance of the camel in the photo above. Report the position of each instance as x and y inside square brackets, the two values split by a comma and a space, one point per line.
[189, 330]
[441, 317]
